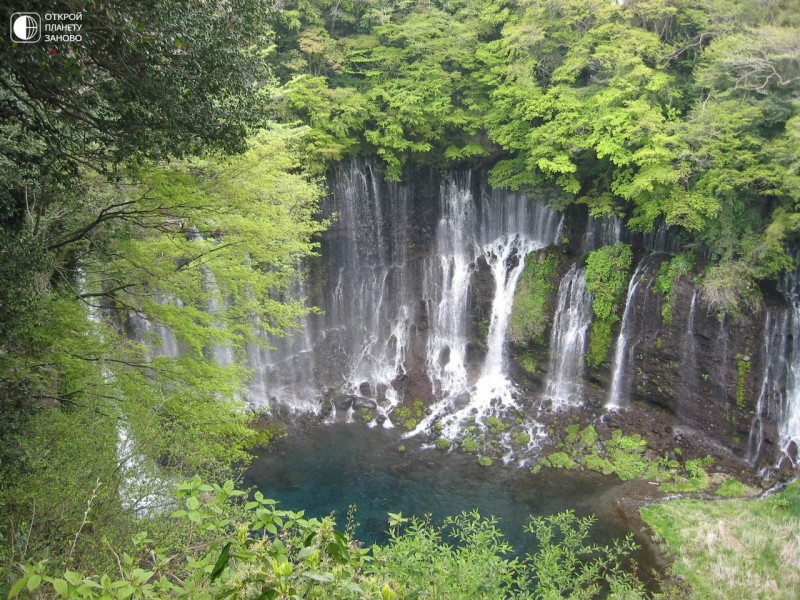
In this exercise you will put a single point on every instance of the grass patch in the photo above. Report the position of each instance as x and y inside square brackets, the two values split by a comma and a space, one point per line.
[732, 488]
[733, 549]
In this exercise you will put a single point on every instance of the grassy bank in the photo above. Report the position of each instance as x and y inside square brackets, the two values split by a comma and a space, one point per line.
[733, 549]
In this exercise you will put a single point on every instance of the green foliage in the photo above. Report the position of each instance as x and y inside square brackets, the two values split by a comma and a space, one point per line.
[24, 271]
[731, 287]
[407, 416]
[665, 112]
[224, 547]
[336, 115]
[607, 273]
[529, 314]
[733, 488]
[669, 272]
[695, 480]
[527, 362]
[600, 341]
[624, 456]
[469, 444]
[521, 438]
[152, 417]
[495, 425]
[565, 565]
[558, 460]
[743, 370]
[588, 437]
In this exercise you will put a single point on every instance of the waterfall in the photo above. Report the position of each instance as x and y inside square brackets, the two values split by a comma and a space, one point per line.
[601, 232]
[222, 354]
[404, 270]
[625, 349]
[773, 389]
[779, 395]
[358, 346]
[505, 258]
[446, 288]
[662, 240]
[788, 412]
[499, 229]
[572, 319]
[371, 304]
[283, 371]
[689, 347]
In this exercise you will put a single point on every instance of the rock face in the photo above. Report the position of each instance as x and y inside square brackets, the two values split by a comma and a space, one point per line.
[415, 281]
[699, 368]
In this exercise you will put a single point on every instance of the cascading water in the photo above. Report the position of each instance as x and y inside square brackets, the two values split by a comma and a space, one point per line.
[788, 413]
[446, 286]
[625, 348]
[773, 381]
[358, 347]
[689, 347]
[779, 395]
[283, 372]
[571, 322]
[662, 240]
[140, 488]
[221, 353]
[500, 230]
[601, 232]
[395, 284]
[505, 258]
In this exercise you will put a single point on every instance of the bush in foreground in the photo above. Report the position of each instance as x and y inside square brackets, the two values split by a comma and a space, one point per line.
[233, 548]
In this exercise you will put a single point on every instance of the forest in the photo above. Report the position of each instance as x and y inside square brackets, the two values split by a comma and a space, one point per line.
[165, 197]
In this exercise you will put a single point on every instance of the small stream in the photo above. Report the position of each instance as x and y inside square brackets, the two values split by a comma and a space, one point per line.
[327, 470]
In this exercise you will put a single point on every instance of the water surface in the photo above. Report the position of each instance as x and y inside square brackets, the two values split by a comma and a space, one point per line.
[325, 471]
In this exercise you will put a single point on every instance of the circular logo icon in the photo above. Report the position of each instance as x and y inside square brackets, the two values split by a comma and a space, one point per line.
[25, 28]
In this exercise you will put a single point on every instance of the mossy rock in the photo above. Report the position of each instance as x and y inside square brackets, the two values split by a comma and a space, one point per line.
[598, 464]
[588, 437]
[443, 444]
[628, 465]
[469, 445]
[559, 460]
[521, 438]
[485, 461]
[572, 434]
[495, 425]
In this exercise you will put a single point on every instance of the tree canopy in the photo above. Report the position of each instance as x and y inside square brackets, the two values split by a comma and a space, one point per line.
[666, 112]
